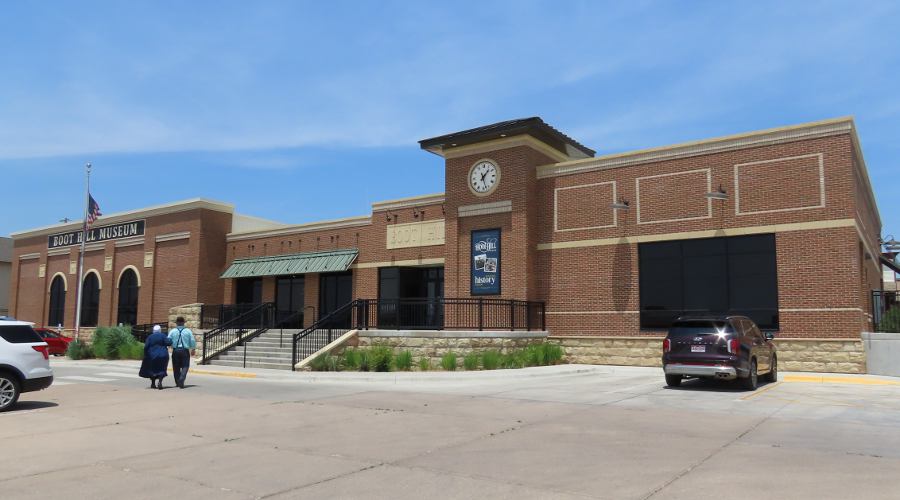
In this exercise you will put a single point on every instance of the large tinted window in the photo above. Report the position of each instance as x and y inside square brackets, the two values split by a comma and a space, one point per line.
[714, 275]
[19, 334]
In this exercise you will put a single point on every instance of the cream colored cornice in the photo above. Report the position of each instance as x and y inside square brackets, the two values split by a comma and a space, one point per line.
[505, 143]
[364, 220]
[811, 130]
[709, 233]
[142, 213]
[413, 201]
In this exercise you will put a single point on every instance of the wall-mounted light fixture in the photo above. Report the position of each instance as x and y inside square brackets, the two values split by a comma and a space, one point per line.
[720, 194]
[418, 213]
[391, 217]
[622, 204]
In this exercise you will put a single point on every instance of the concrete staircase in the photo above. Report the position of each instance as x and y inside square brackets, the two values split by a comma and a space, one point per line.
[265, 351]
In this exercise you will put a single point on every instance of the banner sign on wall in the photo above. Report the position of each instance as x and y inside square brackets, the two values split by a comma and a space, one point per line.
[96, 234]
[486, 262]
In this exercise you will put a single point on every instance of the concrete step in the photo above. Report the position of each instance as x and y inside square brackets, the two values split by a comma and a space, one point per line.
[255, 359]
[270, 343]
[257, 355]
[238, 364]
[259, 348]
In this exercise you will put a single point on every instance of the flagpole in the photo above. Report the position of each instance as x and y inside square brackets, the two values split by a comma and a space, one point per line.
[79, 298]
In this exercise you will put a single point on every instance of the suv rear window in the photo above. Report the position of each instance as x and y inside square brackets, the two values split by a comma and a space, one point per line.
[686, 328]
[19, 334]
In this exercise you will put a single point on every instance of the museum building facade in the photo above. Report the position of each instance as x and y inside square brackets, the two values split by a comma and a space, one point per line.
[780, 225]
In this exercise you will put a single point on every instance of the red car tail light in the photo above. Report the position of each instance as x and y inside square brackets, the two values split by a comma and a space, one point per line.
[43, 350]
[667, 345]
[734, 346]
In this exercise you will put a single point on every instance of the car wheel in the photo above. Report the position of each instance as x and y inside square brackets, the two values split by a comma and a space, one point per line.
[752, 379]
[9, 391]
[772, 376]
[673, 380]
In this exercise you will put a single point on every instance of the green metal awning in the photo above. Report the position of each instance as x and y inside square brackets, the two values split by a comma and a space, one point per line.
[297, 263]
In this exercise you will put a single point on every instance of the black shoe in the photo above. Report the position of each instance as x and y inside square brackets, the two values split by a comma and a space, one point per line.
[159, 386]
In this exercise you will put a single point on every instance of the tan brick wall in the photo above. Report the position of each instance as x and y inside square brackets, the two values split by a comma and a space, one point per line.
[803, 355]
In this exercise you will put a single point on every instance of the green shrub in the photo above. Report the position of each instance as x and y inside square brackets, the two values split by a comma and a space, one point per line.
[554, 352]
[448, 361]
[325, 363]
[381, 358]
[890, 322]
[490, 360]
[112, 342]
[365, 362]
[351, 359]
[534, 355]
[134, 350]
[470, 362]
[79, 350]
[424, 364]
[513, 359]
[403, 361]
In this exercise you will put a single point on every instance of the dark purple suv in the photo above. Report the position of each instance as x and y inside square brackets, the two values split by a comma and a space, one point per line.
[721, 347]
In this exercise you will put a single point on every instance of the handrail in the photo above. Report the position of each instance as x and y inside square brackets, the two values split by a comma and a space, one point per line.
[318, 327]
[233, 332]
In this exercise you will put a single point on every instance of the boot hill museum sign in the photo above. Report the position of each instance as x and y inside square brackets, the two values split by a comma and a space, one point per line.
[97, 234]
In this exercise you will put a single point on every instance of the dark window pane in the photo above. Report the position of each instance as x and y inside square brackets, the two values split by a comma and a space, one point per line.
[19, 334]
[735, 275]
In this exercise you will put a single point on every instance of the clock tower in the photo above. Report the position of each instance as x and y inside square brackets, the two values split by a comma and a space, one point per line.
[490, 204]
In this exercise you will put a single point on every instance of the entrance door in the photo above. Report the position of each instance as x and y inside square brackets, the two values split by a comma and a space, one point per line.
[409, 297]
[335, 290]
[289, 299]
[248, 291]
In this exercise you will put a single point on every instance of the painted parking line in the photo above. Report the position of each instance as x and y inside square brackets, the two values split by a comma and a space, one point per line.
[761, 391]
[118, 374]
[79, 378]
[832, 379]
[57, 382]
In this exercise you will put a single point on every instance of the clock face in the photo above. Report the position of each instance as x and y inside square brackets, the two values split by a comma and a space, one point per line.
[483, 177]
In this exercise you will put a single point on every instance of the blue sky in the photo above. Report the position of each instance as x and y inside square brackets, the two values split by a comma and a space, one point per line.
[300, 111]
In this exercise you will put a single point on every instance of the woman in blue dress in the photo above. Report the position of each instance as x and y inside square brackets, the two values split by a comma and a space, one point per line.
[156, 357]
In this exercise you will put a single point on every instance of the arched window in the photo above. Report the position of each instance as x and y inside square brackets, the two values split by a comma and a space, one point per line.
[57, 314]
[90, 300]
[128, 298]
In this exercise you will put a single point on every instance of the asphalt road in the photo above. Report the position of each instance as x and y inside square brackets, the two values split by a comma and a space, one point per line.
[558, 432]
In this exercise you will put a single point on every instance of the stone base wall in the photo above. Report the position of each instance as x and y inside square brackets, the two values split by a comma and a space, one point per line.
[821, 355]
[190, 313]
[802, 355]
[624, 351]
[434, 345]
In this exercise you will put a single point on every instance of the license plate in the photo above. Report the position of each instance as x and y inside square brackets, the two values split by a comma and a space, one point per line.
[698, 348]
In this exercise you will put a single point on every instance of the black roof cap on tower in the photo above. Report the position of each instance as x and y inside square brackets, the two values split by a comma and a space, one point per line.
[533, 126]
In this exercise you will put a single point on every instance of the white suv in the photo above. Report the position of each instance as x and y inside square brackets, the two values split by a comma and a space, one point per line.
[24, 362]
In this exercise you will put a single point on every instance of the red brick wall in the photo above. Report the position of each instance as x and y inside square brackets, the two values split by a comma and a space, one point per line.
[180, 269]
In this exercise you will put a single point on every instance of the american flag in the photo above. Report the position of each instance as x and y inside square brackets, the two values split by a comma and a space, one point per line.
[93, 210]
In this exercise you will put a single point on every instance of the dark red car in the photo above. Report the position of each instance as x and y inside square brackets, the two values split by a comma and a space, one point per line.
[58, 344]
[720, 347]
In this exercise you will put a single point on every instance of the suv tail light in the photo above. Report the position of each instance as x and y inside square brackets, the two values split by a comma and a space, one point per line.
[667, 345]
[43, 350]
[734, 346]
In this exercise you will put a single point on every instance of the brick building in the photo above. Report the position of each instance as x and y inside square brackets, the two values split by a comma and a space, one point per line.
[778, 224]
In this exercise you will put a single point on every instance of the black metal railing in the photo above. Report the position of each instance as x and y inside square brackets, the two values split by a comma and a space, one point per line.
[238, 331]
[419, 314]
[141, 332]
[215, 315]
[882, 302]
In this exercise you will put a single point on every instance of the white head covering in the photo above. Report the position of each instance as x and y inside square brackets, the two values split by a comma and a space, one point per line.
[156, 329]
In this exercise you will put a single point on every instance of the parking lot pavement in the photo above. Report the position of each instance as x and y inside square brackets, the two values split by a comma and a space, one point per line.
[558, 432]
